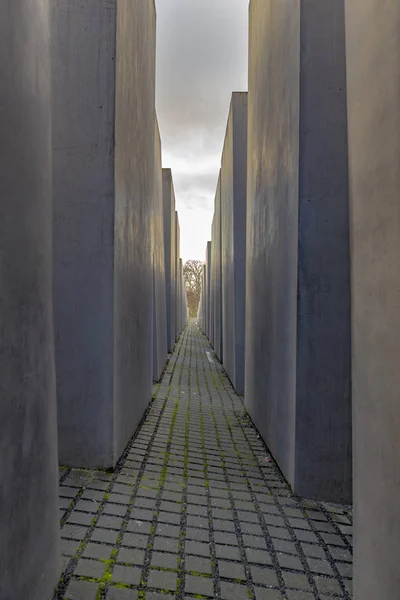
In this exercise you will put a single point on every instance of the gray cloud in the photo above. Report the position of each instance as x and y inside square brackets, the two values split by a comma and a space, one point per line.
[201, 59]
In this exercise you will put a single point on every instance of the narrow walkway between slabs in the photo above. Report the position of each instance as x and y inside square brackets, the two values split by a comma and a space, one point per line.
[196, 508]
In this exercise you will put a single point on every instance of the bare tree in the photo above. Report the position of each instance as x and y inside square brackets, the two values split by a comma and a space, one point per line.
[192, 274]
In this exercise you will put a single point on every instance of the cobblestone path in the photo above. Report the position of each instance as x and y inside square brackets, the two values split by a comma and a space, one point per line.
[196, 508]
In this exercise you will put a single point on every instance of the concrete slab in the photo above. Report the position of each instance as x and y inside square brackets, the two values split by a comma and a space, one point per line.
[170, 253]
[298, 299]
[233, 239]
[217, 274]
[160, 349]
[29, 519]
[208, 289]
[373, 75]
[177, 276]
[103, 89]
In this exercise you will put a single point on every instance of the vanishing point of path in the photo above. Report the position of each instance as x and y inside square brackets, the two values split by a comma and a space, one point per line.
[196, 508]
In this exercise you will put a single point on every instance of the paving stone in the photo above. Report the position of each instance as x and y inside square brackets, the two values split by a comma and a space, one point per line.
[107, 522]
[202, 535]
[168, 530]
[199, 510]
[298, 595]
[197, 548]
[194, 521]
[69, 547]
[163, 580]
[141, 514]
[198, 564]
[132, 556]
[199, 585]
[117, 499]
[81, 590]
[327, 585]
[263, 594]
[166, 544]
[99, 551]
[261, 557]
[164, 560]
[340, 554]
[90, 568]
[227, 552]
[231, 570]
[288, 561]
[285, 546]
[253, 541]
[296, 580]
[222, 537]
[142, 527]
[73, 532]
[345, 569]
[88, 506]
[251, 529]
[320, 566]
[248, 517]
[306, 536]
[279, 532]
[129, 575]
[223, 525]
[121, 594]
[108, 536]
[134, 540]
[233, 591]
[264, 576]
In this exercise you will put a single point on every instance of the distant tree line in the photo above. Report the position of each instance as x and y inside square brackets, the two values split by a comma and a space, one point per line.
[192, 273]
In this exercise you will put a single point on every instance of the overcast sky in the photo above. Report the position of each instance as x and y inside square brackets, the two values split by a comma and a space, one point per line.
[201, 59]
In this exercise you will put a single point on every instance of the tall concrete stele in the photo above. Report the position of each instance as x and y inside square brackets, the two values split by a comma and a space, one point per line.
[160, 349]
[233, 240]
[216, 277]
[170, 255]
[29, 519]
[103, 139]
[298, 373]
[373, 75]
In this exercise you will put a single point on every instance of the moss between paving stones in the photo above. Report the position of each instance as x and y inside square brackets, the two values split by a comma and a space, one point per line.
[199, 401]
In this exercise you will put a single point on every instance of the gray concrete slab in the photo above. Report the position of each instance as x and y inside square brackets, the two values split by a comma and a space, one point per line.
[170, 253]
[182, 299]
[298, 300]
[177, 276]
[233, 239]
[103, 68]
[29, 521]
[217, 274]
[208, 289]
[373, 76]
[160, 349]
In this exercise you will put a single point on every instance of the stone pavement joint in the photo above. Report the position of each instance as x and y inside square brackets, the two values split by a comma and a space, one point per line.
[196, 507]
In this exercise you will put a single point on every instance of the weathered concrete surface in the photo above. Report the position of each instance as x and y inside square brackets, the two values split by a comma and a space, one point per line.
[29, 525]
[208, 290]
[160, 349]
[170, 253]
[233, 239]
[373, 75]
[182, 299]
[204, 306]
[134, 185]
[177, 276]
[103, 90]
[298, 308]
[216, 282]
